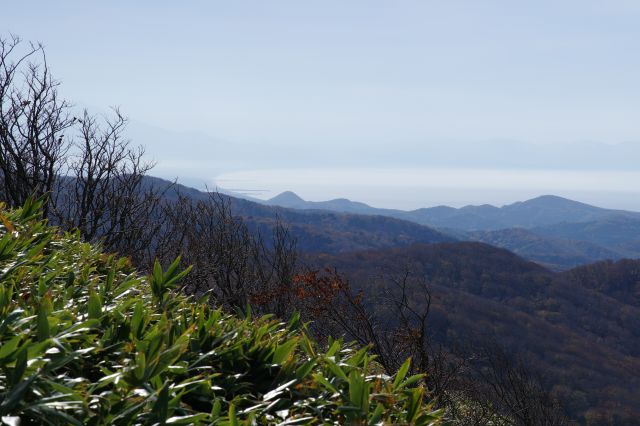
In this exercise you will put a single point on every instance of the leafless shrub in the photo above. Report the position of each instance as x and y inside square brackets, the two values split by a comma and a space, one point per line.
[236, 267]
[33, 120]
[104, 194]
[504, 385]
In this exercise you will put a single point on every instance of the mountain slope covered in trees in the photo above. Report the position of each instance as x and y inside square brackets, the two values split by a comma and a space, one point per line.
[579, 329]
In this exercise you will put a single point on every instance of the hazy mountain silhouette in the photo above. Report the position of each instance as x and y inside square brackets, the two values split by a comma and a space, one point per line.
[554, 231]
[540, 211]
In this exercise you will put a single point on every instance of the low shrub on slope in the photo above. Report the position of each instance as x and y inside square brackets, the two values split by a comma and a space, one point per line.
[87, 340]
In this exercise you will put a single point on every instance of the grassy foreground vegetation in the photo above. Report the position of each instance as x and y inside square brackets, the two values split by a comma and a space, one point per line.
[85, 339]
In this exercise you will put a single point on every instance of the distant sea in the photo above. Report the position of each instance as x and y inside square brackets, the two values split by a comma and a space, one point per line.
[415, 188]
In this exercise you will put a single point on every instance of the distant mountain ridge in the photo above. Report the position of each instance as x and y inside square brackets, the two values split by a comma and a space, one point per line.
[552, 231]
[557, 232]
[320, 230]
[539, 211]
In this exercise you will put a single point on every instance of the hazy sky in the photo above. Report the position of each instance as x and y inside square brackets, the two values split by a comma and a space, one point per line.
[323, 79]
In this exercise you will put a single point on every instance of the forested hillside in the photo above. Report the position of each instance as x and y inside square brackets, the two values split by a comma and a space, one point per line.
[579, 329]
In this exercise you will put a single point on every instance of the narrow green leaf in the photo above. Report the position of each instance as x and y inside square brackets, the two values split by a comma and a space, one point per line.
[376, 416]
[15, 395]
[8, 347]
[402, 372]
[95, 305]
[43, 332]
[233, 419]
[282, 352]
[161, 406]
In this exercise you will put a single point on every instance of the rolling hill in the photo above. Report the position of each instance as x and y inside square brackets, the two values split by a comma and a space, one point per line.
[580, 329]
[550, 251]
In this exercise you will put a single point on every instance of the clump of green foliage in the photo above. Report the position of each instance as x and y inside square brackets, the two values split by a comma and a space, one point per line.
[86, 340]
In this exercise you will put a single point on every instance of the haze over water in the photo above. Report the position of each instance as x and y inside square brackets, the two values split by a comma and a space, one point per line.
[425, 187]
[403, 94]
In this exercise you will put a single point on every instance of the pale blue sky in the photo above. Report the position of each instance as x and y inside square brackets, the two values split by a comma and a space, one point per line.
[357, 80]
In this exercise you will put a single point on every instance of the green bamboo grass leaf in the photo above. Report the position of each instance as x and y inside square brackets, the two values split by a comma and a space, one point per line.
[161, 405]
[10, 319]
[4, 276]
[108, 283]
[336, 370]
[283, 351]
[334, 348]
[37, 349]
[429, 419]
[54, 414]
[43, 331]
[94, 305]
[108, 379]
[9, 347]
[65, 392]
[71, 277]
[413, 404]
[402, 372]
[170, 355]
[298, 421]
[177, 277]
[173, 268]
[324, 382]
[216, 409]
[307, 346]
[157, 281]
[42, 287]
[233, 419]
[294, 321]
[140, 366]
[277, 391]
[31, 209]
[15, 395]
[411, 381]
[7, 246]
[376, 416]
[359, 391]
[192, 419]
[20, 363]
[359, 357]
[37, 249]
[303, 371]
[129, 412]
[157, 272]
[137, 320]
